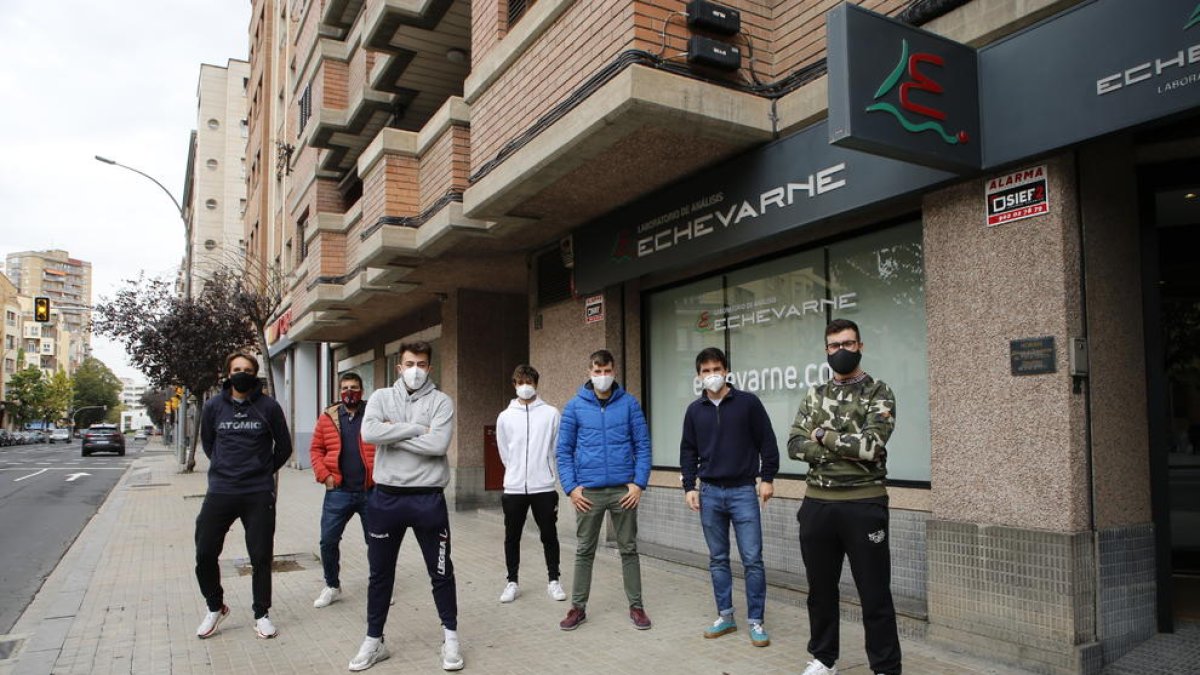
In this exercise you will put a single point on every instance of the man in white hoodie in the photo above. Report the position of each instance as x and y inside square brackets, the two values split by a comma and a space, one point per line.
[410, 424]
[526, 433]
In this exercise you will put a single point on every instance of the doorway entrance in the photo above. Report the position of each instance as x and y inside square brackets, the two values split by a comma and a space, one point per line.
[1170, 196]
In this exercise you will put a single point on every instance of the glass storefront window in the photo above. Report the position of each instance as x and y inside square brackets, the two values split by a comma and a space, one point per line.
[770, 319]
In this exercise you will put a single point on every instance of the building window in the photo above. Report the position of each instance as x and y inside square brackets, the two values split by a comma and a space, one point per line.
[245, 128]
[210, 204]
[553, 278]
[770, 319]
[10, 342]
[214, 124]
[10, 318]
[516, 9]
[212, 164]
[301, 243]
[305, 106]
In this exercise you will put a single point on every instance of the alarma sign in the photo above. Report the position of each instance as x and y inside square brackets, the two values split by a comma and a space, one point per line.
[1018, 195]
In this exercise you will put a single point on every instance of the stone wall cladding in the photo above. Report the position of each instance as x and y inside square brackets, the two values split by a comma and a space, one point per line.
[667, 522]
[1025, 596]
[1127, 588]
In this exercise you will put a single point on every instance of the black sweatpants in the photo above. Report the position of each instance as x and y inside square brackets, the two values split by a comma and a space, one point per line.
[545, 513]
[257, 512]
[391, 517]
[829, 532]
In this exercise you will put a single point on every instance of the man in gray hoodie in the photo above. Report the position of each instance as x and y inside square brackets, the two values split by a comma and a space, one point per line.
[410, 424]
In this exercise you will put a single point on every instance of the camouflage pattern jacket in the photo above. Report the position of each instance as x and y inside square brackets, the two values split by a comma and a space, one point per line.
[850, 462]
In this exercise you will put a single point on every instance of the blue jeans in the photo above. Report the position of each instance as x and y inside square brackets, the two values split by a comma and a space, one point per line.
[720, 506]
[339, 506]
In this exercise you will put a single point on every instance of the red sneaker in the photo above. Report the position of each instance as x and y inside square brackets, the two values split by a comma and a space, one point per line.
[576, 616]
[638, 616]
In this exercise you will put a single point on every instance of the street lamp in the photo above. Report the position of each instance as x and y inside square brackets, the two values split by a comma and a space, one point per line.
[181, 421]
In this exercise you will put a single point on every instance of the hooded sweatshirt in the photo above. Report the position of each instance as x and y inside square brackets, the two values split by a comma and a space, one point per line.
[245, 441]
[411, 432]
[525, 436]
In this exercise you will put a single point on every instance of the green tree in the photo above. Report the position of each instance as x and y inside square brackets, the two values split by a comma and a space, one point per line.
[27, 395]
[59, 396]
[95, 385]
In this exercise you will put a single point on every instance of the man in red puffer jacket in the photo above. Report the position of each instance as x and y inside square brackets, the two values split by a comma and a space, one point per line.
[343, 463]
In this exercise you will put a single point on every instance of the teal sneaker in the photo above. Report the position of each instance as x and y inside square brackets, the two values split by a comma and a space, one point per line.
[724, 625]
[758, 635]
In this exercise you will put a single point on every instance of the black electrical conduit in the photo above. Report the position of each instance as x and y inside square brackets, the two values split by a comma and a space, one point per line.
[917, 13]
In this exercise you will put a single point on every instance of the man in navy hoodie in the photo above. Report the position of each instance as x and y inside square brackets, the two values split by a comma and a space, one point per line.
[728, 443]
[246, 439]
[604, 465]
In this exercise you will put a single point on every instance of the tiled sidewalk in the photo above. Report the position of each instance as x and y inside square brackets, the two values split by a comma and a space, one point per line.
[124, 600]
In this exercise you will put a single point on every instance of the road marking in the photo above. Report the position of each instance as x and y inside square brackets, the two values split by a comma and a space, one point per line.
[71, 478]
[69, 468]
[35, 473]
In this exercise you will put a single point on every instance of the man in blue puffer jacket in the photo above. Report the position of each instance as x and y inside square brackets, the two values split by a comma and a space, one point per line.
[604, 464]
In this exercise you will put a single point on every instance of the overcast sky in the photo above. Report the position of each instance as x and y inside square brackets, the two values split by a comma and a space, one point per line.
[118, 79]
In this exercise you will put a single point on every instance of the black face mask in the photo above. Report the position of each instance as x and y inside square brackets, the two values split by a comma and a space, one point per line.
[243, 382]
[844, 361]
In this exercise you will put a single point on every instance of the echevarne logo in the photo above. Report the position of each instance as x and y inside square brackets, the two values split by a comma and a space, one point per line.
[920, 82]
[1194, 19]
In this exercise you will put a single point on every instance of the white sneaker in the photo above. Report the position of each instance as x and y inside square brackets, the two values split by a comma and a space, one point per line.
[264, 628]
[372, 651]
[451, 658]
[209, 624]
[555, 590]
[511, 591]
[327, 597]
[815, 667]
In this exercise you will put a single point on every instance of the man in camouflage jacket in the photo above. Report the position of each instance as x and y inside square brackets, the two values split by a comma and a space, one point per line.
[841, 430]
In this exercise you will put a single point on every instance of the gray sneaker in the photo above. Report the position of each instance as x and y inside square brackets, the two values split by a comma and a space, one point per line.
[372, 651]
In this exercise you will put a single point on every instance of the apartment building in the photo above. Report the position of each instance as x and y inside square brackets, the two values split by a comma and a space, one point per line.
[1007, 212]
[68, 283]
[215, 183]
[11, 334]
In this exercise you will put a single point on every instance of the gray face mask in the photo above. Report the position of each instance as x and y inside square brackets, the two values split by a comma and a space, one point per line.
[602, 382]
[844, 361]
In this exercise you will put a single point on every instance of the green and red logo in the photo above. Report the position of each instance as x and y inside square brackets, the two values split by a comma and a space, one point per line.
[918, 81]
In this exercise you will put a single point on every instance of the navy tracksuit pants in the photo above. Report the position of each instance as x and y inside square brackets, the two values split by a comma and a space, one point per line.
[392, 514]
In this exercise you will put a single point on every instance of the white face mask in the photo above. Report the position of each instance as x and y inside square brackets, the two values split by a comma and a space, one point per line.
[602, 382]
[414, 377]
[526, 391]
[714, 382]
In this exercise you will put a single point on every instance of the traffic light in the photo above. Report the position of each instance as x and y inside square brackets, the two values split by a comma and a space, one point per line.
[41, 309]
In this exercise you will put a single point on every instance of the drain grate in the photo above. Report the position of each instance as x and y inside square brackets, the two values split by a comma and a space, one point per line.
[146, 485]
[8, 647]
[193, 496]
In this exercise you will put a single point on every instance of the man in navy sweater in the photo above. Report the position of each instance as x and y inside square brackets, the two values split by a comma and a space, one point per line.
[728, 443]
[246, 439]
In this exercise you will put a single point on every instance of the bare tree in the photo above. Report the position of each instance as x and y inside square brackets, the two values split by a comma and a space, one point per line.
[258, 289]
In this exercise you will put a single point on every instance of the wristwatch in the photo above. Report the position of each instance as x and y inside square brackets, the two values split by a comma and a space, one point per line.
[820, 434]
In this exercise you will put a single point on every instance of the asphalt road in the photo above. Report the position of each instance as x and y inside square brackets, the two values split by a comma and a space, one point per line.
[47, 494]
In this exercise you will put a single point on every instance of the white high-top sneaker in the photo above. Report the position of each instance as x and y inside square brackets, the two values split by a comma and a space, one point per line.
[372, 651]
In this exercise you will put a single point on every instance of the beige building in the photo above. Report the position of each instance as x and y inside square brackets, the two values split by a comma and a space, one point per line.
[68, 283]
[215, 183]
[529, 182]
[11, 334]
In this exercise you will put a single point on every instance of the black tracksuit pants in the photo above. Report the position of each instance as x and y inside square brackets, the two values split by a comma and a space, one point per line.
[545, 513]
[829, 532]
[391, 516]
[257, 513]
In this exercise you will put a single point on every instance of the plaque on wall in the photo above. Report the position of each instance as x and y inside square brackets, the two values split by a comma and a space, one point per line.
[1032, 356]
